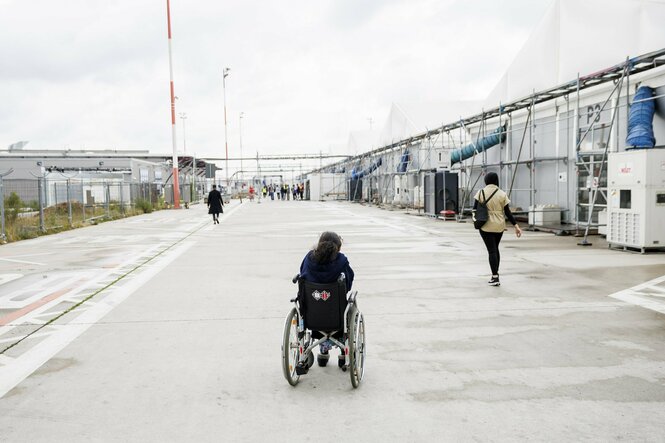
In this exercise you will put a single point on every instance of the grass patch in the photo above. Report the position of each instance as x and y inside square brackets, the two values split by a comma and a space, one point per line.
[22, 219]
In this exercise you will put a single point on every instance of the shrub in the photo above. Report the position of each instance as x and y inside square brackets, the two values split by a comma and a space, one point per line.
[13, 201]
[12, 206]
[144, 205]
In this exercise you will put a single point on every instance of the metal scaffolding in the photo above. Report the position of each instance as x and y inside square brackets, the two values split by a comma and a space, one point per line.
[580, 148]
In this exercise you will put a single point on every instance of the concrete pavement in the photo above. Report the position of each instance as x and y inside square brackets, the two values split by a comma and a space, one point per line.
[181, 341]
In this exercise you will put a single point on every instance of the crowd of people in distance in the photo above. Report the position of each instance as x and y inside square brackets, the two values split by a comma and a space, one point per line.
[284, 191]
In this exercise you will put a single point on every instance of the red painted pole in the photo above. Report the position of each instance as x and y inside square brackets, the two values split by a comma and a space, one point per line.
[176, 184]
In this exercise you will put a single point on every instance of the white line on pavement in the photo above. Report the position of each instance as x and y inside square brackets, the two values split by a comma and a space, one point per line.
[25, 262]
[643, 295]
[6, 278]
[14, 373]
[33, 255]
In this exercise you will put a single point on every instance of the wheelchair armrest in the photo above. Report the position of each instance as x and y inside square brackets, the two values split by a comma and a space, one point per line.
[296, 278]
[351, 296]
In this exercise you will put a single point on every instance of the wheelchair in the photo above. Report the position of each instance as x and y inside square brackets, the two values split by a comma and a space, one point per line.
[323, 312]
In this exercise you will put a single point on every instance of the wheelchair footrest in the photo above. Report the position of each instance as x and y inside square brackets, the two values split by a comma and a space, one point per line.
[302, 369]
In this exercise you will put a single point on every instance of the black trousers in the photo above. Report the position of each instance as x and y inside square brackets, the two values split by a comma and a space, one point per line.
[492, 240]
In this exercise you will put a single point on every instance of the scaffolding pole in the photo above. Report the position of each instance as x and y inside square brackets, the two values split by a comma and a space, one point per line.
[636, 65]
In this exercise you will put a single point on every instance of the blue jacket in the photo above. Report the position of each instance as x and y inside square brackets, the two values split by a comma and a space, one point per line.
[312, 271]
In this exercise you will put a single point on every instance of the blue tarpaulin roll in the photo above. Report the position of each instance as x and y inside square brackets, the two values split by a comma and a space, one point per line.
[640, 120]
[404, 161]
[356, 175]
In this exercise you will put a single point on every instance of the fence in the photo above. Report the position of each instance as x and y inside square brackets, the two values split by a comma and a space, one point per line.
[30, 207]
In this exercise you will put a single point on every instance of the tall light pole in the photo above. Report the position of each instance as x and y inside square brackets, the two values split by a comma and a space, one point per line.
[183, 117]
[242, 178]
[176, 184]
[225, 73]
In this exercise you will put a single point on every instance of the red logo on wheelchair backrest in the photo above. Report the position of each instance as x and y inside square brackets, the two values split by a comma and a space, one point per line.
[323, 295]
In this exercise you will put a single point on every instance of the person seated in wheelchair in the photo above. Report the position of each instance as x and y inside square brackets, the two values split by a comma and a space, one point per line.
[324, 264]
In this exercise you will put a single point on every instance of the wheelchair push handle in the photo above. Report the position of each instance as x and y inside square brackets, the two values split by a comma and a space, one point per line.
[296, 278]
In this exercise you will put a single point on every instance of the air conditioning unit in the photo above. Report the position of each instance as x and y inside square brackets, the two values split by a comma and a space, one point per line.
[636, 199]
[441, 192]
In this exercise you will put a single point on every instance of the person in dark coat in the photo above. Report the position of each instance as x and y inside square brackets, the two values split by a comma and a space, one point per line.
[323, 264]
[215, 204]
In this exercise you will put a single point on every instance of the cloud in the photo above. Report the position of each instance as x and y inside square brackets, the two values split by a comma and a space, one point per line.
[95, 73]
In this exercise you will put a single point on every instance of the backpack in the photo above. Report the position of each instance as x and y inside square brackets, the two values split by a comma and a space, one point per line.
[482, 214]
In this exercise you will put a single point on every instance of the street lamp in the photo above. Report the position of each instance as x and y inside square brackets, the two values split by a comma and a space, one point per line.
[242, 178]
[225, 73]
[183, 117]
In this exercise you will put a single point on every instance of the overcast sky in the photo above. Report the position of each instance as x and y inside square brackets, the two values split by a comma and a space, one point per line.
[94, 73]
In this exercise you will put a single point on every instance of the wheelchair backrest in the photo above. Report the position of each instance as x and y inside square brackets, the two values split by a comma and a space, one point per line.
[322, 305]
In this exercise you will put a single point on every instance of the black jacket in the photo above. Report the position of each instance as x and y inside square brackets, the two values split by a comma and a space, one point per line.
[215, 202]
[312, 271]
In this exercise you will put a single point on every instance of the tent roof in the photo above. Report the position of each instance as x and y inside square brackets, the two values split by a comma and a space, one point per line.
[407, 119]
[360, 141]
[580, 37]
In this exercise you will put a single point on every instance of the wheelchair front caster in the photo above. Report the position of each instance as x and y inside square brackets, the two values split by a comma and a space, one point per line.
[322, 360]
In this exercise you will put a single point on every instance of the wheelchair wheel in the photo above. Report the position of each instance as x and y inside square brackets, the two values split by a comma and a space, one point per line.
[291, 348]
[357, 348]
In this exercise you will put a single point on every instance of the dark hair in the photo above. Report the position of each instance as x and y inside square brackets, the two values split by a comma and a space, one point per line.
[492, 179]
[327, 248]
[214, 186]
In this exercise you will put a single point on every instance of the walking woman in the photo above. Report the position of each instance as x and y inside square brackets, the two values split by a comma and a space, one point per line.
[491, 232]
[215, 204]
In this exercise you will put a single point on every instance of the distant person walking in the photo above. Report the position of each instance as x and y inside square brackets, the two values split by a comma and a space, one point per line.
[491, 231]
[215, 204]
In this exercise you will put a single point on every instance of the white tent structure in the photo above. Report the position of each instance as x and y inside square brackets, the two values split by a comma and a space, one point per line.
[362, 141]
[581, 36]
[407, 119]
[563, 102]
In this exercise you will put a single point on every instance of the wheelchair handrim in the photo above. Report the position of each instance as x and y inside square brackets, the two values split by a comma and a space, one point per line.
[360, 347]
[291, 355]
